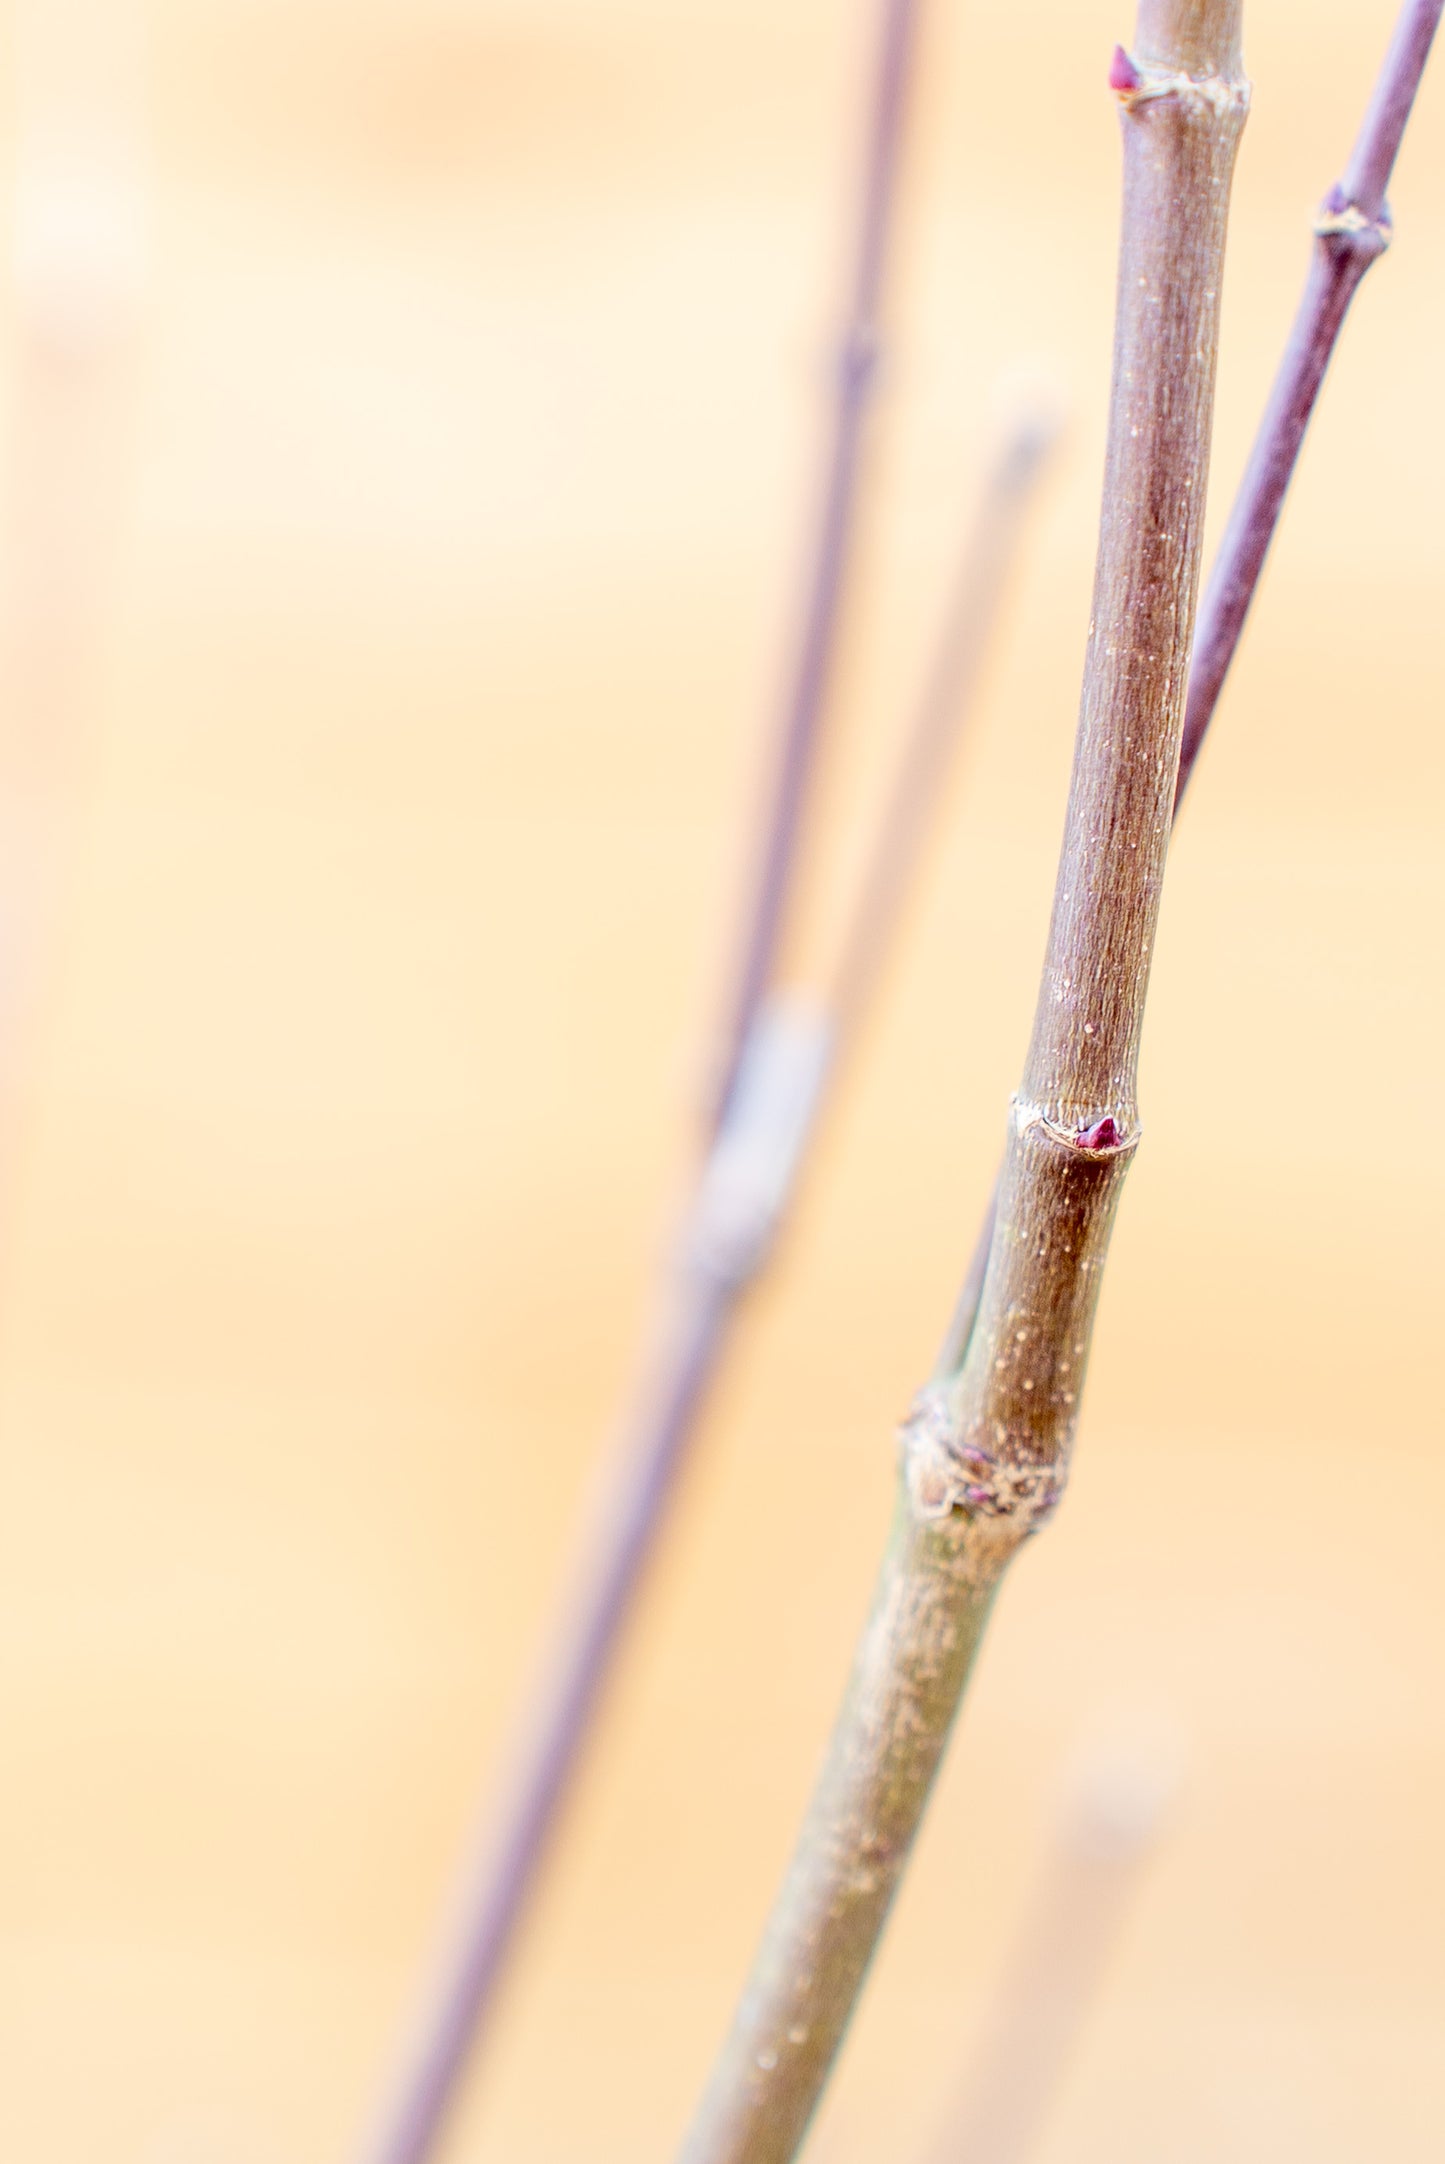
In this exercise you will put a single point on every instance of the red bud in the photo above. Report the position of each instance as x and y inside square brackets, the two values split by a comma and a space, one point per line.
[1103, 1135]
[1123, 75]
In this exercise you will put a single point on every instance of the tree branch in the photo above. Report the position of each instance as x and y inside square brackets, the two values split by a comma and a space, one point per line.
[761, 1107]
[1352, 230]
[969, 622]
[986, 1451]
[744, 1189]
[857, 363]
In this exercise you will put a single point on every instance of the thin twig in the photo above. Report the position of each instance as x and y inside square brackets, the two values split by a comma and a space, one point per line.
[769, 1071]
[1103, 1839]
[968, 625]
[488, 1908]
[744, 1189]
[985, 1455]
[857, 365]
[1352, 230]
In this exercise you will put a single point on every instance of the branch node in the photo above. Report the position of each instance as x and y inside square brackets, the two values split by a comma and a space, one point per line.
[1135, 85]
[1346, 229]
[935, 1473]
[1098, 1141]
[947, 1477]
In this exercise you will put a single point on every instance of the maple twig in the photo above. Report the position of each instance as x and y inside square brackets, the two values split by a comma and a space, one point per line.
[985, 1454]
[770, 1065]
[1352, 230]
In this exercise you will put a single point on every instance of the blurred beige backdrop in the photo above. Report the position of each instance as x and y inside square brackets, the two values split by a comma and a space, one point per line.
[411, 411]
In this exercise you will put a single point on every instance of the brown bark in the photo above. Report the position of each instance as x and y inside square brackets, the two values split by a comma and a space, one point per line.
[985, 1454]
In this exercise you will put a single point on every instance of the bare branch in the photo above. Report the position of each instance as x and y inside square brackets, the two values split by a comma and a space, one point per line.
[744, 1189]
[858, 354]
[1351, 231]
[969, 624]
[986, 1452]
[562, 1702]
[1105, 1834]
[769, 1074]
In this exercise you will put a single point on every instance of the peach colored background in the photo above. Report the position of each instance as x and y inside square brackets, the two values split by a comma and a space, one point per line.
[402, 511]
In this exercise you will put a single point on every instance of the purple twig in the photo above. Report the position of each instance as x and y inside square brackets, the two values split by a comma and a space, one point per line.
[720, 1254]
[489, 1906]
[744, 1187]
[728, 1229]
[857, 375]
[1351, 230]
[959, 659]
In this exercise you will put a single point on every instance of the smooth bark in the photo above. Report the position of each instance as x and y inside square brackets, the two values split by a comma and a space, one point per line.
[831, 552]
[986, 1452]
[1352, 230]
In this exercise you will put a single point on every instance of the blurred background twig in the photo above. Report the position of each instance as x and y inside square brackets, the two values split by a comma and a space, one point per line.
[776, 1061]
[414, 782]
[1107, 1823]
[745, 1190]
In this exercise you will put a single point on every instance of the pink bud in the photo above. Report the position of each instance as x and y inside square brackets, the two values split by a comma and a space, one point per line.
[1103, 1135]
[1123, 75]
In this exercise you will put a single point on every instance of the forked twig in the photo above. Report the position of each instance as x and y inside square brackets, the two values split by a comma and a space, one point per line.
[969, 621]
[1352, 230]
[785, 1055]
[985, 1455]
[766, 1084]
[745, 1187]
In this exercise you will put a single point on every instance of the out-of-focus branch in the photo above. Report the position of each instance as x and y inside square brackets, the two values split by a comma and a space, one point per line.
[1102, 1841]
[986, 1454]
[771, 1066]
[960, 658]
[857, 372]
[770, 1070]
[744, 1190]
[1352, 229]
